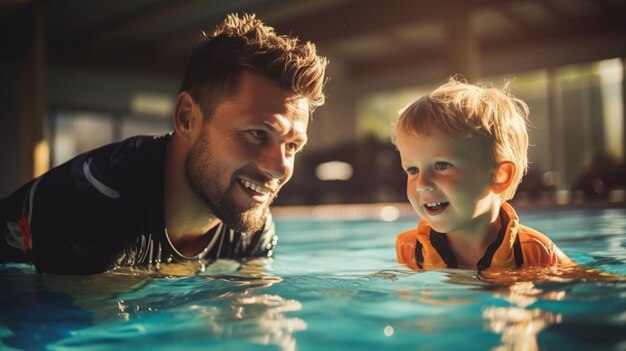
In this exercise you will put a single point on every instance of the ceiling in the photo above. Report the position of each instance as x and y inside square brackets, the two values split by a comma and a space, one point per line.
[367, 36]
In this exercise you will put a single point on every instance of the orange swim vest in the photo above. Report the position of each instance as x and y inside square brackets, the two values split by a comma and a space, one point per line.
[516, 246]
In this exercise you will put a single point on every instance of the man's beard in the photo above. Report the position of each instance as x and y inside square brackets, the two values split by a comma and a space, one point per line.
[203, 173]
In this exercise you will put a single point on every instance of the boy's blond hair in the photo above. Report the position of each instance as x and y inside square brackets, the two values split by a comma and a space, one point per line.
[492, 119]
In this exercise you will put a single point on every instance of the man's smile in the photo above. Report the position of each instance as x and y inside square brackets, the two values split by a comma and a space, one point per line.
[255, 187]
[258, 192]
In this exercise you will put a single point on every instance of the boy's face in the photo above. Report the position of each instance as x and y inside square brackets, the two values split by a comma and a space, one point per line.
[447, 184]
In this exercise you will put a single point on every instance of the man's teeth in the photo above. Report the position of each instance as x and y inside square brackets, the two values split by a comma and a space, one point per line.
[259, 189]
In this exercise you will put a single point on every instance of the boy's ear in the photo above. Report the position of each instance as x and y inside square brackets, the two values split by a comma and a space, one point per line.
[503, 176]
[187, 115]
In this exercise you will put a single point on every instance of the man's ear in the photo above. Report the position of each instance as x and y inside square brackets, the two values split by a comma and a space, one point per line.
[503, 176]
[187, 115]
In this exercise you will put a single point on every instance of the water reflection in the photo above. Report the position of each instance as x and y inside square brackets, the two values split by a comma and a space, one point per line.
[517, 306]
[229, 298]
[260, 318]
[519, 325]
[229, 302]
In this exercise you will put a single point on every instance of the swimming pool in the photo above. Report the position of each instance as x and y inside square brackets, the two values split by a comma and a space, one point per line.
[333, 285]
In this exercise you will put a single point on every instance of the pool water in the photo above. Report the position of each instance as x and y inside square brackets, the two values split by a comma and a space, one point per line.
[333, 285]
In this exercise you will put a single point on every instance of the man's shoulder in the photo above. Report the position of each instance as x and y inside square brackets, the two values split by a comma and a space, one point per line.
[126, 162]
[140, 148]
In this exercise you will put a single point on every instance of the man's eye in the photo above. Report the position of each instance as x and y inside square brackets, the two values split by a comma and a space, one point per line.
[412, 170]
[440, 166]
[259, 134]
[293, 147]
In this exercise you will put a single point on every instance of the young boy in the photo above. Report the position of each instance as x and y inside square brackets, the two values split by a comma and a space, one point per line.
[463, 148]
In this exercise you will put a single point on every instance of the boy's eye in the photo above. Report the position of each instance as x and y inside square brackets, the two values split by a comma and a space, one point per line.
[440, 166]
[412, 170]
[293, 147]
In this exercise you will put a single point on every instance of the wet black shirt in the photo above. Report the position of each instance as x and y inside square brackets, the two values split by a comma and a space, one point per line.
[104, 209]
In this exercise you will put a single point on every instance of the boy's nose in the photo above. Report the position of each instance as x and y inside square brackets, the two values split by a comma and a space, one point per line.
[424, 184]
[425, 188]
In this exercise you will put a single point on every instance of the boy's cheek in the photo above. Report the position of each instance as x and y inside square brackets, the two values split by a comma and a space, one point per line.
[414, 203]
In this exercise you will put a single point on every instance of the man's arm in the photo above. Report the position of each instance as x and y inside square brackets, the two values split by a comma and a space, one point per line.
[70, 220]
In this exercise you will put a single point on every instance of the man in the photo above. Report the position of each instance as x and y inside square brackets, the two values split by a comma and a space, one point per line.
[200, 193]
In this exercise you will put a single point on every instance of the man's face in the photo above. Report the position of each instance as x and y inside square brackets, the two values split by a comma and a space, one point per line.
[246, 151]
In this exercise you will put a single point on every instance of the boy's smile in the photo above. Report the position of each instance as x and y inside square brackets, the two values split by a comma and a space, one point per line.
[447, 183]
[435, 208]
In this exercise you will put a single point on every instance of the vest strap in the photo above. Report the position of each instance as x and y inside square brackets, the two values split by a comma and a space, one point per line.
[517, 251]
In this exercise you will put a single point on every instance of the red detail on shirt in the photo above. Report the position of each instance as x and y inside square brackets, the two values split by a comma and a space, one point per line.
[25, 227]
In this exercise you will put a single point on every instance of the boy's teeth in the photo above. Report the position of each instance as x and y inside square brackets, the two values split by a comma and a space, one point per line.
[433, 204]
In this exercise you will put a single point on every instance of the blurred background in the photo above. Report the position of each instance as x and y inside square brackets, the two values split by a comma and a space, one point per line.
[78, 74]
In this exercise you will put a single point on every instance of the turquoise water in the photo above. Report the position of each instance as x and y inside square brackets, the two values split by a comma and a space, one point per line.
[334, 285]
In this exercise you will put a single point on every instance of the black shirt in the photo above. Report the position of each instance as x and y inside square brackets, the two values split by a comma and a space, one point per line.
[104, 209]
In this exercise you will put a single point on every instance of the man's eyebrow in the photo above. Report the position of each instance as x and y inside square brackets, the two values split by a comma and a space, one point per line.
[272, 126]
[278, 127]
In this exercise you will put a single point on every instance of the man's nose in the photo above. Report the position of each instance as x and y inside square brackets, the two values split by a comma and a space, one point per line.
[274, 162]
